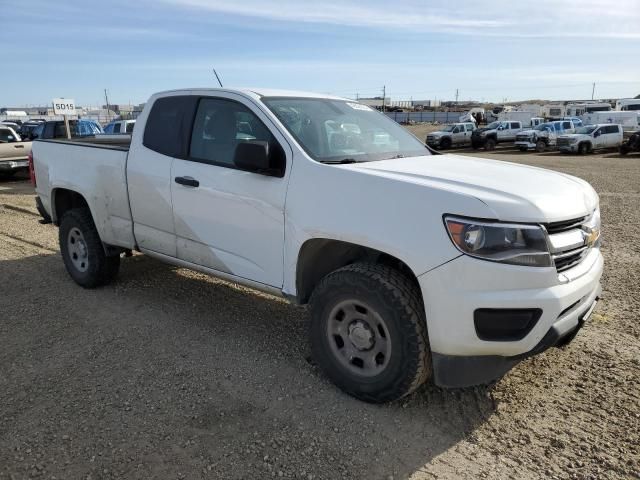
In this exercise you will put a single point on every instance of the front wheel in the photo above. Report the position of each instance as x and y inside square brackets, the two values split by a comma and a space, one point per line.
[82, 250]
[489, 144]
[541, 146]
[624, 149]
[368, 332]
[445, 143]
[583, 149]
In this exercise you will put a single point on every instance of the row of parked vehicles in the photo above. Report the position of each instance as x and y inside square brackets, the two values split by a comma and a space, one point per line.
[569, 134]
[16, 137]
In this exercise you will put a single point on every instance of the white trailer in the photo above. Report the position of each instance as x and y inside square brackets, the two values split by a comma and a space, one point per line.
[528, 119]
[628, 120]
[628, 104]
[579, 109]
[554, 111]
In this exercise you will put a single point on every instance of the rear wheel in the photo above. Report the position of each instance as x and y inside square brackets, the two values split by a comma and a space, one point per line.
[541, 146]
[489, 144]
[368, 332]
[83, 252]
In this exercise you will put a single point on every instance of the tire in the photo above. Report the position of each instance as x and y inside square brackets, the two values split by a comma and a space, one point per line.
[445, 144]
[83, 252]
[523, 149]
[489, 144]
[475, 146]
[43, 213]
[584, 148]
[541, 146]
[385, 315]
[624, 149]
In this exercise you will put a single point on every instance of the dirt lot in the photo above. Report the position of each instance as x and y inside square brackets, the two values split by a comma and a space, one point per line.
[171, 374]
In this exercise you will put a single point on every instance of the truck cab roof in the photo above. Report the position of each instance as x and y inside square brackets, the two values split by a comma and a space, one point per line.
[256, 93]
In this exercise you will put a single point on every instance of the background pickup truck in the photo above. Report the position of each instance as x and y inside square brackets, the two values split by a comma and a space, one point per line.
[415, 265]
[13, 151]
[454, 135]
[495, 133]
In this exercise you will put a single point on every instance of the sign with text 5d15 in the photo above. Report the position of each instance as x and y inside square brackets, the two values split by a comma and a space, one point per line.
[64, 106]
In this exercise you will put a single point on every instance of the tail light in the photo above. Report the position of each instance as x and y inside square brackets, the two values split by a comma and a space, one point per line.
[32, 170]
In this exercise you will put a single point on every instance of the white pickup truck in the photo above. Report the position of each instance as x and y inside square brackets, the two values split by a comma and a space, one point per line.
[415, 264]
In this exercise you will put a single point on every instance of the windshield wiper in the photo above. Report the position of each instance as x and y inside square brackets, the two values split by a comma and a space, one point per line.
[344, 161]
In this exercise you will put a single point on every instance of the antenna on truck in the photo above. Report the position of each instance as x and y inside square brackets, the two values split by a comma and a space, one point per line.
[217, 77]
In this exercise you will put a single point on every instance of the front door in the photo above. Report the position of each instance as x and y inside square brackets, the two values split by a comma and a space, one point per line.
[227, 219]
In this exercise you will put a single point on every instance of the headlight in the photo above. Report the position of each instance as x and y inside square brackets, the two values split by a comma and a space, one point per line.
[573, 140]
[482, 134]
[500, 242]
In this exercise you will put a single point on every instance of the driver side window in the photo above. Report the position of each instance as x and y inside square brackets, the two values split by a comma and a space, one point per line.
[6, 135]
[220, 126]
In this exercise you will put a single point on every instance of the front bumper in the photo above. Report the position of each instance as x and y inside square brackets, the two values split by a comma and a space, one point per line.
[11, 165]
[569, 148]
[453, 291]
[528, 145]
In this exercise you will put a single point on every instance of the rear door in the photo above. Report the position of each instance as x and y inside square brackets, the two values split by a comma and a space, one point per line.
[227, 219]
[165, 137]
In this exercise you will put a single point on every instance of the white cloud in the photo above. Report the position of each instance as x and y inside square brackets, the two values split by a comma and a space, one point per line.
[508, 18]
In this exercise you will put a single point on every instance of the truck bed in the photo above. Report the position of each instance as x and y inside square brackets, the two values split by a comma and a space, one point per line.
[95, 167]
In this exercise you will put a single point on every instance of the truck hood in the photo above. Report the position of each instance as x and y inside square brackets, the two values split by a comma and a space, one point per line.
[512, 192]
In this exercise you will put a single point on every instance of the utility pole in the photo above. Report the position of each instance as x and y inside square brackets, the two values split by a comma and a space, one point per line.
[384, 96]
[106, 99]
[593, 90]
[456, 96]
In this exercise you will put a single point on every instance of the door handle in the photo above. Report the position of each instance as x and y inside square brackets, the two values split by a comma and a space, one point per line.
[18, 146]
[187, 181]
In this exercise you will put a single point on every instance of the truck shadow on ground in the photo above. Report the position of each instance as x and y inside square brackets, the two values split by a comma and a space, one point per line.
[182, 371]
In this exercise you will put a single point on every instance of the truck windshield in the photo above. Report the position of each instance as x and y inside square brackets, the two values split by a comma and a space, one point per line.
[340, 131]
[545, 126]
[586, 130]
[494, 125]
[448, 128]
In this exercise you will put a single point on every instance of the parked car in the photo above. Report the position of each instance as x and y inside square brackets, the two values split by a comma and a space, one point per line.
[495, 133]
[592, 137]
[631, 145]
[56, 129]
[543, 136]
[13, 151]
[415, 264]
[28, 129]
[454, 135]
[120, 126]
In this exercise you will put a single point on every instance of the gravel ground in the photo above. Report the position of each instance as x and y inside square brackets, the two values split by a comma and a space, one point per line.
[172, 374]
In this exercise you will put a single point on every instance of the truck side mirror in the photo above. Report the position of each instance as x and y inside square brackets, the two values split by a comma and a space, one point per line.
[260, 157]
[596, 133]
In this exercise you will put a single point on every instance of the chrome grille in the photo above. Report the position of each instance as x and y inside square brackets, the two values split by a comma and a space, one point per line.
[522, 138]
[568, 244]
[564, 225]
[563, 142]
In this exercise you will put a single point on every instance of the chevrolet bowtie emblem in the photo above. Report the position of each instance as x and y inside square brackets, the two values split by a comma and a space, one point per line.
[591, 236]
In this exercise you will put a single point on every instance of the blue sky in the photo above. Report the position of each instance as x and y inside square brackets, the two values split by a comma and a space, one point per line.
[502, 49]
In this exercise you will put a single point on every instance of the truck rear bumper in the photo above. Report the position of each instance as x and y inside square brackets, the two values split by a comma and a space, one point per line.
[454, 292]
[12, 165]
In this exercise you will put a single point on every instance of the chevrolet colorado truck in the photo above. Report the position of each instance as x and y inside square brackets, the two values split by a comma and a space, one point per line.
[416, 265]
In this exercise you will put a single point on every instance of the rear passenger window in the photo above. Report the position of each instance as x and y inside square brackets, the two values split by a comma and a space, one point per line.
[169, 125]
[116, 128]
[469, 128]
[130, 127]
[515, 125]
[566, 125]
[220, 126]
